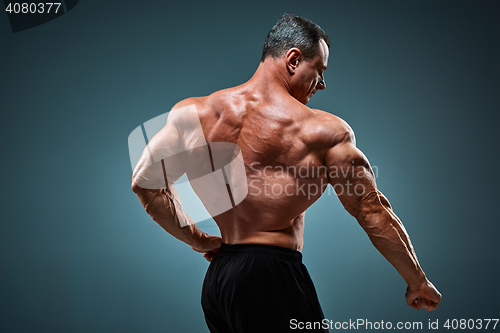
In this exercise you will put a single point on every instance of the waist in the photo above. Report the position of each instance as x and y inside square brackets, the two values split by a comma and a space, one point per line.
[260, 250]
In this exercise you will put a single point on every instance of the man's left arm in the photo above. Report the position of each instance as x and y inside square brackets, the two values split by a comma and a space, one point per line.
[358, 193]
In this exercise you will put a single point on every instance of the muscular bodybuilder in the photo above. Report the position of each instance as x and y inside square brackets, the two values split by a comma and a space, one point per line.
[256, 281]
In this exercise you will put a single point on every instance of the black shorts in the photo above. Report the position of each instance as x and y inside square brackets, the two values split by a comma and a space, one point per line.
[259, 288]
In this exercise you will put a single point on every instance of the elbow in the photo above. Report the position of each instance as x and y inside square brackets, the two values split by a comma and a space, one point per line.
[370, 210]
[136, 188]
[371, 216]
[371, 222]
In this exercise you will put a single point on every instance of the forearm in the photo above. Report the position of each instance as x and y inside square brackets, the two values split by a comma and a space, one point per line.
[389, 236]
[159, 205]
[396, 222]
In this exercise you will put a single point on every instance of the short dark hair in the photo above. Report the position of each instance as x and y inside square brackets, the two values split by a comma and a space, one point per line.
[294, 31]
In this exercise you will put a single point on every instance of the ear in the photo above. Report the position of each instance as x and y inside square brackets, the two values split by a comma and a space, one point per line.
[292, 59]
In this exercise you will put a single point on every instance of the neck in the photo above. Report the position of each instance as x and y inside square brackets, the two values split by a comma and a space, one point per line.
[270, 77]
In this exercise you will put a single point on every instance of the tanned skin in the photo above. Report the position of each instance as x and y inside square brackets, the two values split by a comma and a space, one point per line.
[268, 119]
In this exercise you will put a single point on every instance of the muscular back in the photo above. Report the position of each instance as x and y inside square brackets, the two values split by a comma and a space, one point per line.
[283, 144]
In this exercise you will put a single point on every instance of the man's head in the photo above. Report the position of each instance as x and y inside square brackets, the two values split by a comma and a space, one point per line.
[294, 31]
[303, 46]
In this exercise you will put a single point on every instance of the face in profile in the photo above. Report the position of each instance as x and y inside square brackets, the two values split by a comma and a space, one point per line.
[308, 77]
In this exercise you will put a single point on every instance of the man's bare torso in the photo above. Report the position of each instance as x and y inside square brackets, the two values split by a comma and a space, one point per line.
[281, 150]
[283, 144]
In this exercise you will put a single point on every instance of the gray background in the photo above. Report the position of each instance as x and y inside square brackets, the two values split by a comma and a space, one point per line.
[417, 80]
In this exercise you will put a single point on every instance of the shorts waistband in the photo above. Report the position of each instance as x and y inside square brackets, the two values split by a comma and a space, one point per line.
[260, 250]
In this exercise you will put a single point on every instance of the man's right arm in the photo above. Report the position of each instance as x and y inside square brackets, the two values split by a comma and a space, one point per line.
[355, 185]
[159, 166]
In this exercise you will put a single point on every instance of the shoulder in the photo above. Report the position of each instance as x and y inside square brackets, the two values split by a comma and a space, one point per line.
[194, 111]
[331, 129]
[185, 114]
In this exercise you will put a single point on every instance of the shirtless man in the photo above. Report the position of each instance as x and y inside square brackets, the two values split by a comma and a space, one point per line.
[256, 281]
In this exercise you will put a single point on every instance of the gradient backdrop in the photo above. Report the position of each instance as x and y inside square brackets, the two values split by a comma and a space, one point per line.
[418, 81]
